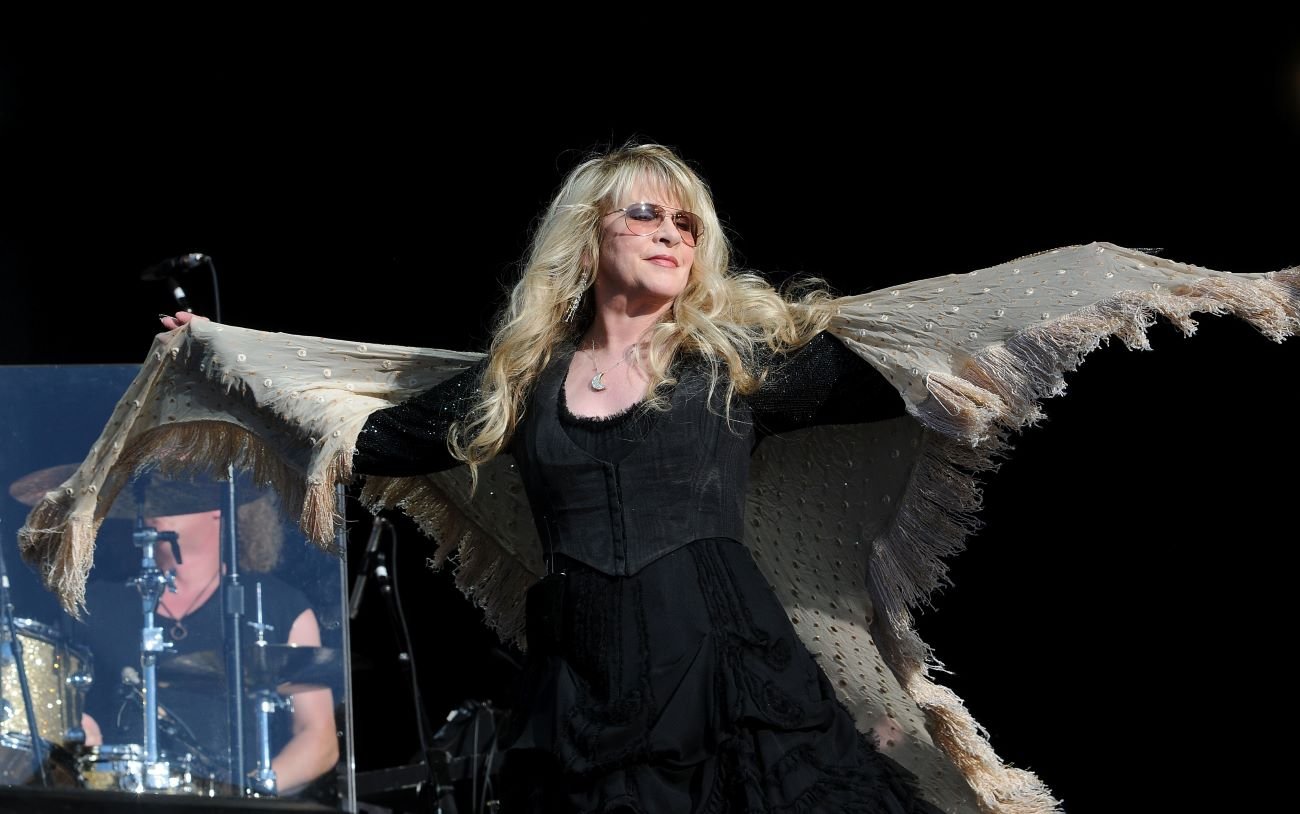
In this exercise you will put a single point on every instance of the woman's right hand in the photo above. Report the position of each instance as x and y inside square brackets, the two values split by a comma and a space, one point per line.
[179, 320]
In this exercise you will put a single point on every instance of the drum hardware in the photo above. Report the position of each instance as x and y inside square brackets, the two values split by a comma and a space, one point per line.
[268, 701]
[11, 650]
[273, 673]
[161, 761]
[290, 668]
[150, 770]
[124, 767]
[151, 583]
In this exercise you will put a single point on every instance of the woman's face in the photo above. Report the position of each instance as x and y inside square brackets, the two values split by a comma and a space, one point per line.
[645, 271]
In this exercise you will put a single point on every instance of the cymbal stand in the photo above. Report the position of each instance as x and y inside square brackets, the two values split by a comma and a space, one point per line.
[232, 610]
[150, 583]
[268, 701]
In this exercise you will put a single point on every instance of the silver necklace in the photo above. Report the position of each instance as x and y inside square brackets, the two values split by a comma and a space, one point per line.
[597, 382]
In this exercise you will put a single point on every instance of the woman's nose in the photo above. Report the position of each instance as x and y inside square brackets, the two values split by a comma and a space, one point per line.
[667, 232]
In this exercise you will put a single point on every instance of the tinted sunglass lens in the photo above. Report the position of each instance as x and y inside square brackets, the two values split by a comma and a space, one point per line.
[688, 225]
[643, 219]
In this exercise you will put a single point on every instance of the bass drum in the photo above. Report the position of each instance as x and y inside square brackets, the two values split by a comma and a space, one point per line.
[122, 767]
[57, 677]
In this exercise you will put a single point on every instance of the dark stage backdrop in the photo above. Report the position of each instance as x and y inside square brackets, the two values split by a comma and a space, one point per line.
[1117, 620]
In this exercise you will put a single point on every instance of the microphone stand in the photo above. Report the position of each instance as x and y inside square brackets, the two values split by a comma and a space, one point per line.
[367, 563]
[388, 588]
[13, 648]
[232, 602]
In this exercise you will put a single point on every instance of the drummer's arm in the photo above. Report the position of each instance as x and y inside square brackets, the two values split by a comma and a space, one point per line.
[314, 748]
[94, 737]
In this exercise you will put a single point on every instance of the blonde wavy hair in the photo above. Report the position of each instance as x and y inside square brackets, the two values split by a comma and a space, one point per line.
[722, 316]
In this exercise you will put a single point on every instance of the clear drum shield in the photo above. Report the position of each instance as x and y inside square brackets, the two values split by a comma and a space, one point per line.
[213, 658]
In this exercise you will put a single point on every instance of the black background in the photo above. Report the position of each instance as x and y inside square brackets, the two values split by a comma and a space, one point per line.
[1119, 619]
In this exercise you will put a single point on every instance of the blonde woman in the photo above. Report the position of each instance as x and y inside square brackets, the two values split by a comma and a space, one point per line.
[630, 376]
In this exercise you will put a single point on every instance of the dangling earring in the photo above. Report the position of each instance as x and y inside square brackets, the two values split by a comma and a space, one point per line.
[576, 299]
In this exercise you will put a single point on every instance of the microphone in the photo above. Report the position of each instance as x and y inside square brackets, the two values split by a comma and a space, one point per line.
[354, 605]
[172, 265]
[175, 265]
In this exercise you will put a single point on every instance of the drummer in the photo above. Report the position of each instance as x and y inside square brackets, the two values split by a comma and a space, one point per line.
[194, 712]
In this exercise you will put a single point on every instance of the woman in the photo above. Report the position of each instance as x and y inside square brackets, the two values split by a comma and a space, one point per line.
[631, 375]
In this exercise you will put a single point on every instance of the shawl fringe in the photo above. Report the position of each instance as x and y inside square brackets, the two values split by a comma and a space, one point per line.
[62, 544]
[972, 416]
[492, 581]
[999, 389]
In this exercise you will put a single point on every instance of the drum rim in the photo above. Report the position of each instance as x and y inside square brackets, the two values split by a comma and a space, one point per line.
[187, 759]
[50, 634]
[46, 630]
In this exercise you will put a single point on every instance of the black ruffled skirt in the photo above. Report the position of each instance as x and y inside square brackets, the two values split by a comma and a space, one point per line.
[683, 689]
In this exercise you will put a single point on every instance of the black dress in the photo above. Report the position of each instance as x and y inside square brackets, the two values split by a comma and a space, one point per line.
[684, 687]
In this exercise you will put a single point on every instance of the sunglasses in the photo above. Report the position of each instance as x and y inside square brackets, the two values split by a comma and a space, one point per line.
[645, 219]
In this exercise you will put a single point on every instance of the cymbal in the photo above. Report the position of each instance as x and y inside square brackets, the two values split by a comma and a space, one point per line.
[29, 489]
[286, 668]
[164, 495]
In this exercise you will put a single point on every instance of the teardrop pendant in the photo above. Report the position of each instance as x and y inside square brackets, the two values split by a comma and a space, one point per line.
[596, 383]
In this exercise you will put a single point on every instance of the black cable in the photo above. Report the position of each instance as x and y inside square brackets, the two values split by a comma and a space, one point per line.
[216, 292]
[389, 588]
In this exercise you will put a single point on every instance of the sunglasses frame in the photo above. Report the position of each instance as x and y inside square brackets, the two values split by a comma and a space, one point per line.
[661, 212]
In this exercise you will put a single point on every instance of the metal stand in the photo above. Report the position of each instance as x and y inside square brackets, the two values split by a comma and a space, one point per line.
[150, 583]
[268, 701]
[232, 604]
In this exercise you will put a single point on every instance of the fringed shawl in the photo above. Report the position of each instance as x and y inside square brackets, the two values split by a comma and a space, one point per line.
[850, 524]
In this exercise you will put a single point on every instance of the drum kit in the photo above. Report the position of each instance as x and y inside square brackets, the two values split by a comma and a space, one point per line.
[45, 678]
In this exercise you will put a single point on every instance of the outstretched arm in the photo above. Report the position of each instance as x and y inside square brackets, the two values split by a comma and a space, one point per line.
[822, 382]
[411, 438]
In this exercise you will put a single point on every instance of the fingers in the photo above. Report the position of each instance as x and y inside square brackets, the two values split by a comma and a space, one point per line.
[180, 319]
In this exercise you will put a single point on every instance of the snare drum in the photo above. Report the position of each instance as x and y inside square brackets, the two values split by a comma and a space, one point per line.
[57, 677]
[122, 767]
